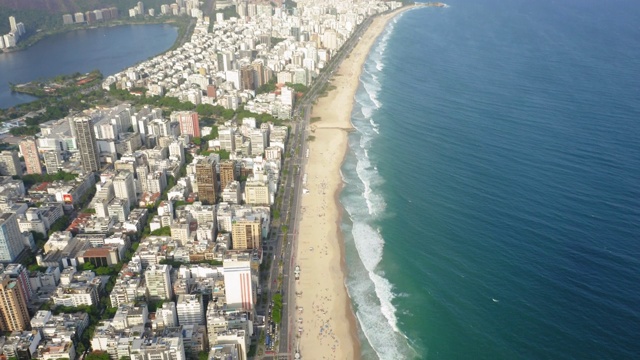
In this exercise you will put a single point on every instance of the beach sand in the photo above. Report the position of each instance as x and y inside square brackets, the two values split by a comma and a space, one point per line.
[323, 310]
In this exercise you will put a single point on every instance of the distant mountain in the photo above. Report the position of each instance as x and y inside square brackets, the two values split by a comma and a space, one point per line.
[56, 6]
[71, 6]
[47, 14]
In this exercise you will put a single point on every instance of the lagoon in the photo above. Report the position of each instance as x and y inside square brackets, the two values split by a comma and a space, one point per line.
[109, 49]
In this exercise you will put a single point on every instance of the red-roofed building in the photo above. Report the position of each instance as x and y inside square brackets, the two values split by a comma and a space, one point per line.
[78, 223]
[149, 199]
[39, 188]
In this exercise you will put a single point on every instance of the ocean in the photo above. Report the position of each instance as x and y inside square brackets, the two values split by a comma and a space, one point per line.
[492, 184]
[109, 49]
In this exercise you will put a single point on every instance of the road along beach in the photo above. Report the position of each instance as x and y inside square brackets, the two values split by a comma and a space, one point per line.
[325, 322]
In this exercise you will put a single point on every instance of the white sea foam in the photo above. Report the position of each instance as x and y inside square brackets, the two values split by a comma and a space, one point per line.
[374, 127]
[344, 178]
[372, 90]
[369, 77]
[376, 313]
[370, 103]
[366, 111]
[369, 289]
[369, 177]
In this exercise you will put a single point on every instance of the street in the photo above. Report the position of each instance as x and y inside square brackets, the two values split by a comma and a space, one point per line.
[285, 249]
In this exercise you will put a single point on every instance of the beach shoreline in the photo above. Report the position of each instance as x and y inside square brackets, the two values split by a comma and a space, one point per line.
[324, 303]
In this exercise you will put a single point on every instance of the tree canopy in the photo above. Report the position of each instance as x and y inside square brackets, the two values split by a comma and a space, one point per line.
[163, 231]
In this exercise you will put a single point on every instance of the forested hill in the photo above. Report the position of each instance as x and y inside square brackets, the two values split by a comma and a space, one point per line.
[52, 6]
[39, 14]
[68, 6]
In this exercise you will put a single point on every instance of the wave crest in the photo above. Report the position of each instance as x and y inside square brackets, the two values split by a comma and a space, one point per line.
[365, 204]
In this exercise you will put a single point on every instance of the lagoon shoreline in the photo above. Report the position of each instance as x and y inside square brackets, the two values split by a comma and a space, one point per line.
[329, 324]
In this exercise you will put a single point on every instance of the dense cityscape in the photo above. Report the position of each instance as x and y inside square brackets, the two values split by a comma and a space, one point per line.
[147, 232]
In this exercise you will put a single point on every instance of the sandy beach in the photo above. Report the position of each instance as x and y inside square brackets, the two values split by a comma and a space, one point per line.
[323, 310]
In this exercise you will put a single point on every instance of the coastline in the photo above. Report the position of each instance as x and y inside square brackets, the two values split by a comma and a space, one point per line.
[180, 40]
[320, 254]
[184, 28]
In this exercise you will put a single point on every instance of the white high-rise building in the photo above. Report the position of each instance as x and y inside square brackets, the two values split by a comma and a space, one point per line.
[239, 288]
[158, 278]
[119, 209]
[124, 187]
[10, 238]
[233, 76]
[21, 29]
[257, 193]
[167, 315]
[190, 310]
[177, 149]
[287, 95]
[10, 39]
[226, 136]
[258, 141]
[13, 24]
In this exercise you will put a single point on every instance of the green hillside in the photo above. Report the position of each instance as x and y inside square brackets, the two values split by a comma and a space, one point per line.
[47, 14]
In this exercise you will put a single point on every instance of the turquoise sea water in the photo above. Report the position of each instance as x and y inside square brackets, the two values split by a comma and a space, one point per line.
[492, 186]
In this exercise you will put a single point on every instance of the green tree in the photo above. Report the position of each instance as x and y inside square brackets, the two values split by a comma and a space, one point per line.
[276, 311]
[298, 87]
[109, 312]
[163, 231]
[268, 87]
[212, 135]
[24, 130]
[39, 238]
[36, 267]
[86, 266]
[188, 158]
[153, 306]
[31, 179]
[229, 12]
[224, 154]
[275, 40]
[98, 355]
[105, 270]
[59, 225]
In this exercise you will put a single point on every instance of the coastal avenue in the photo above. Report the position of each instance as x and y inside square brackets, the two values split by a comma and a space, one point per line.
[290, 206]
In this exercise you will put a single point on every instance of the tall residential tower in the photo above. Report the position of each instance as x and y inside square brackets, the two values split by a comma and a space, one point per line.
[206, 180]
[188, 122]
[10, 238]
[14, 315]
[86, 139]
[29, 151]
